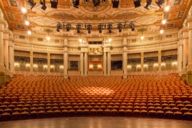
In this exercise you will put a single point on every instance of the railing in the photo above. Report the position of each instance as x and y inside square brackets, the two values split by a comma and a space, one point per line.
[112, 73]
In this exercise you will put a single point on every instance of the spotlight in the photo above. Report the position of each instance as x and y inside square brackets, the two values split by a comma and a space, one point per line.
[54, 3]
[32, 3]
[137, 3]
[164, 21]
[167, 8]
[132, 26]
[41, 2]
[23, 10]
[78, 27]
[148, 4]
[120, 27]
[29, 32]
[76, 3]
[110, 28]
[96, 2]
[68, 27]
[44, 7]
[115, 3]
[59, 26]
[89, 28]
[100, 28]
[159, 3]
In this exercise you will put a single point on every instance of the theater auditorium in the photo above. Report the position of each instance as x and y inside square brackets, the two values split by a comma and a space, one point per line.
[96, 63]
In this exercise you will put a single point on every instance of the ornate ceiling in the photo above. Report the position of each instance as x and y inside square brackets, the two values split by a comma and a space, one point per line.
[87, 13]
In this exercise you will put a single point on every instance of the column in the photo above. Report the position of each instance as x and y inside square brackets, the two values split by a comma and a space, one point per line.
[124, 64]
[104, 63]
[6, 54]
[81, 63]
[65, 64]
[184, 53]
[65, 59]
[142, 61]
[48, 62]
[31, 61]
[179, 58]
[11, 58]
[190, 51]
[85, 63]
[124, 57]
[1, 50]
[159, 60]
[109, 63]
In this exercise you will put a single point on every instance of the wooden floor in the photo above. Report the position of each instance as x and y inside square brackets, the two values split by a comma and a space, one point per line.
[97, 122]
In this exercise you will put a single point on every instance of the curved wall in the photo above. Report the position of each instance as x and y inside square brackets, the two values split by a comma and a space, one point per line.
[98, 55]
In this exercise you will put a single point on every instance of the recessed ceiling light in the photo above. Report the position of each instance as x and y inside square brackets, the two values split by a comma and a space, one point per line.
[161, 31]
[164, 21]
[29, 32]
[27, 23]
[167, 8]
[23, 10]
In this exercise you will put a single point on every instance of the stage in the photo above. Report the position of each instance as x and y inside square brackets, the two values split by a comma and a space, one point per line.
[97, 122]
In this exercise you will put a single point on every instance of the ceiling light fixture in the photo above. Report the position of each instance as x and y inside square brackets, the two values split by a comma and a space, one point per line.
[76, 3]
[148, 4]
[164, 21]
[120, 27]
[27, 23]
[59, 26]
[96, 2]
[100, 28]
[89, 28]
[78, 28]
[137, 3]
[161, 31]
[31, 3]
[54, 3]
[110, 26]
[23, 10]
[29, 32]
[132, 26]
[159, 3]
[167, 8]
[68, 27]
[115, 3]
[43, 2]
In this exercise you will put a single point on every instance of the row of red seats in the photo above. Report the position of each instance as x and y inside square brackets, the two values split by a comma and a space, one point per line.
[144, 94]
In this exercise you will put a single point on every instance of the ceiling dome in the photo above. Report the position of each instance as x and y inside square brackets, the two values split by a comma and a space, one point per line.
[88, 13]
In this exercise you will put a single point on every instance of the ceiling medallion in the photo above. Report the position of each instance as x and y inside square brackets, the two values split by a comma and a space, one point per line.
[90, 8]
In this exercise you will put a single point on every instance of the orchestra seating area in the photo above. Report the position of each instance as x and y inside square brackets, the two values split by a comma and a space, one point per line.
[138, 95]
